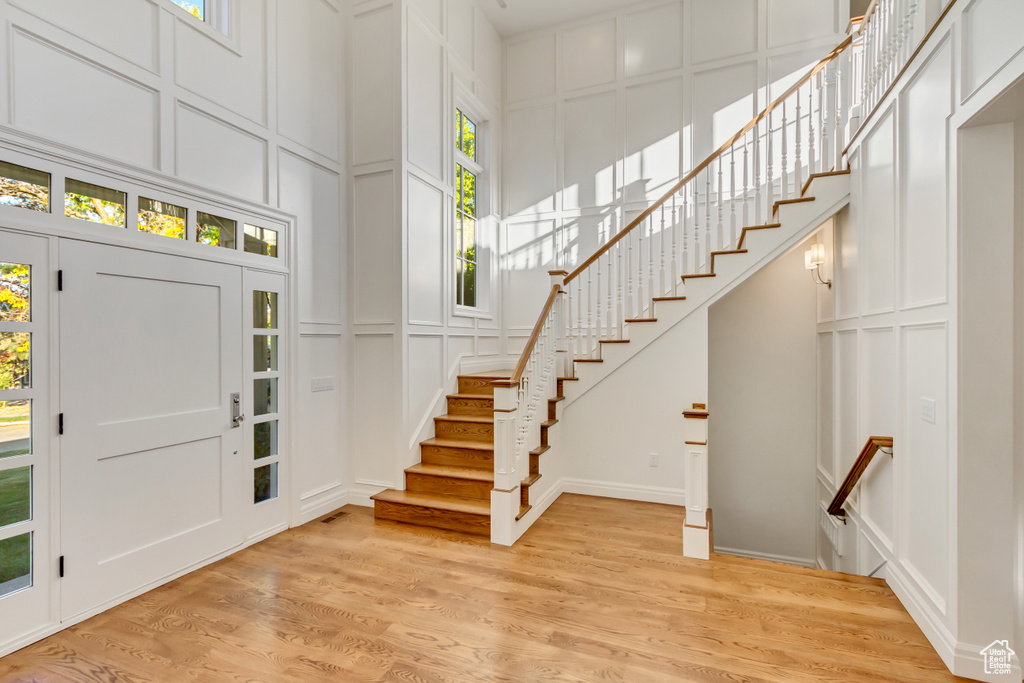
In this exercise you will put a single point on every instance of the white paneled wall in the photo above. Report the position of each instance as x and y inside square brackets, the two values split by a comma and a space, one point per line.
[411, 63]
[602, 114]
[256, 115]
[912, 333]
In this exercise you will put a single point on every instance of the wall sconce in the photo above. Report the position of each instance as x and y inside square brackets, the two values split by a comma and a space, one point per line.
[813, 258]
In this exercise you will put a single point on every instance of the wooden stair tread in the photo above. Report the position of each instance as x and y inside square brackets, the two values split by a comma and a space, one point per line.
[481, 419]
[457, 443]
[530, 480]
[668, 298]
[642, 320]
[540, 450]
[451, 471]
[497, 374]
[614, 341]
[549, 423]
[523, 509]
[435, 501]
[728, 251]
[472, 397]
[556, 399]
[588, 360]
[810, 179]
[782, 202]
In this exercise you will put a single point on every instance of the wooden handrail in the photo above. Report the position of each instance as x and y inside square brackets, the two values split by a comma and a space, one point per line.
[714, 155]
[863, 460]
[517, 374]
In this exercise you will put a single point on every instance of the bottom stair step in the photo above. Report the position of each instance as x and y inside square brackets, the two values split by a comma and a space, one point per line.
[434, 510]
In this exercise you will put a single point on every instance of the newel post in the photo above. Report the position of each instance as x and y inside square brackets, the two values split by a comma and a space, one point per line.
[697, 537]
[505, 494]
[561, 339]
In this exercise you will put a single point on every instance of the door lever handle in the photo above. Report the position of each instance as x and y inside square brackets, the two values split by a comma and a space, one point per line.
[236, 410]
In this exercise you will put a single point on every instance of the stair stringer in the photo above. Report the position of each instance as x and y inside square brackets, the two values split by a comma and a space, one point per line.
[797, 220]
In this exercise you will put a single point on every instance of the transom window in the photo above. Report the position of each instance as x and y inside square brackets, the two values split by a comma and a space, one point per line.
[467, 170]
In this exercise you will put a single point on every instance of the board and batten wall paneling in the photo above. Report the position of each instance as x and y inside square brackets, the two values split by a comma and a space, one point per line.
[374, 410]
[590, 55]
[372, 67]
[652, 39]
[727, 28]
[90, 20]
[790, 24]
[654, 125]
[531, 160]
[926, 104]
[313, 193]
[217, 154]
[590, 151]
[993, 33]
[924, 481]
[426, 281]
[531, 68]
[309, 76]
[878, 417]
[375, 266]
[878, 242]
[232, 78]
[426, 88]
[83, 115]
[319, 433]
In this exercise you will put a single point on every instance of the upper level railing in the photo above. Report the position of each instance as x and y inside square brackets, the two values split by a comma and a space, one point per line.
[802, 132]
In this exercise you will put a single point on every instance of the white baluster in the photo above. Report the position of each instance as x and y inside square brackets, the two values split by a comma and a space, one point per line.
[707, 218]
[609, 313]
[769, 180]
[757, 173]
[810, 125]
[590, 314]
[661, 247]
[784, 178]
[629, 274]
[674, 272]
[746, 183]
[600, 320]
[732, 196]
[798, 161]
[650, 265]
[579, 319]
[720, 231]
[686, 241]
[620, 278]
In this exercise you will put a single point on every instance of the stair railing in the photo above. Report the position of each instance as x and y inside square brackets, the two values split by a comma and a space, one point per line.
[873, 445]
[771, 159]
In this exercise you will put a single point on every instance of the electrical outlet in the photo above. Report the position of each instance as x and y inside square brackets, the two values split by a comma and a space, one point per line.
[652, 460]
[928, 409]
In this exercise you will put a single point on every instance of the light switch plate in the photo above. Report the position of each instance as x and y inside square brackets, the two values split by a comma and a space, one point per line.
[928, 409]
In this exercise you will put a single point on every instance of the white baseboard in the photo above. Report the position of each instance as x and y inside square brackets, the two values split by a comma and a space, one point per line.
[322, 503]
[969, 663]
[929, 623]
[609, 489]
[770, 557]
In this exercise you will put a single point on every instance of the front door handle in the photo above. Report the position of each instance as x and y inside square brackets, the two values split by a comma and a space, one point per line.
[236, 410]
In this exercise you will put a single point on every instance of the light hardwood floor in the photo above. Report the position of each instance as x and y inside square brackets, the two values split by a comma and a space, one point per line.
[597, 590]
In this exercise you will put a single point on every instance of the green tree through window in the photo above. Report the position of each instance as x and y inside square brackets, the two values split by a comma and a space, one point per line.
[465, 212]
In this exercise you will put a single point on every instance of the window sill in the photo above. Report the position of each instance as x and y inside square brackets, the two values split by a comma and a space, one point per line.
[467, 312]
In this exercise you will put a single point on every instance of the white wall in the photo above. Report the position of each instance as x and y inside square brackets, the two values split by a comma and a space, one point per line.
[762, 381]
[911, 320]
[410, 62]
[255, 116]
[602, 114]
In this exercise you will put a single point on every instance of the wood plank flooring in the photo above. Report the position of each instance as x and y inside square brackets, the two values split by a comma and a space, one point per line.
[597, 590]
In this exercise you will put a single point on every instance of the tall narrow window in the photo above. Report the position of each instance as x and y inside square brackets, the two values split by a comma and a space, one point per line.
[467, 170]
[196, 8]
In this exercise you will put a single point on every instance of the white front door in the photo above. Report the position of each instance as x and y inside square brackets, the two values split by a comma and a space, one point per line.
[153, 477]
[27, 283]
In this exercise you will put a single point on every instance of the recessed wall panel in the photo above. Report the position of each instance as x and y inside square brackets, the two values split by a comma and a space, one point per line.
[216, 154]
[375, 271]
[531, 160]
[319, 439]
[373, 86]
[529, 249]
[924, 452]
[426, 256]
[90, 21]
[789, 22]
[994, 32]
[846, 281]
[847, 434]
[313, 194]
[426, 85]
[82, 115]
[461, 20]
[653, 39]
[826, 404]
[459, 347]
[589, 55]
[879, 202]
[373, 383]
[590, 146]
[236, 80]
[723, 102]
[426, 380]
[531, 68]
[925, 224]
[309, 70]
[879, 417]
[724, 28]
[654, 126]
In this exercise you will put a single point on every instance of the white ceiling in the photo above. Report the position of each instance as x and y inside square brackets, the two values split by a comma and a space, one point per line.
[523, 16]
